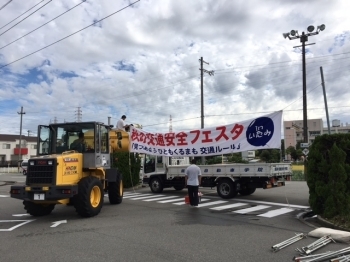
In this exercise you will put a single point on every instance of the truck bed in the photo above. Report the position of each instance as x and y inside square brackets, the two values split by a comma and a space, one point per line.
[235, 170]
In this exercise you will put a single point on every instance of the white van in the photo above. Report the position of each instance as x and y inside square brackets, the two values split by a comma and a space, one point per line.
[24, 166]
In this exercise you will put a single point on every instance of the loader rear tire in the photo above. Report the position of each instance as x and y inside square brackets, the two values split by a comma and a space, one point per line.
[89, 200]
[115, 191]
[38, 210]
[226, 188]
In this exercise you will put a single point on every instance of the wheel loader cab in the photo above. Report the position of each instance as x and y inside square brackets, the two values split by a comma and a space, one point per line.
[89, 138]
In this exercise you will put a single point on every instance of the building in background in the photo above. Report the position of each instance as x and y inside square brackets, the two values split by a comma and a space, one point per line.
[9, 148]
[293, 130]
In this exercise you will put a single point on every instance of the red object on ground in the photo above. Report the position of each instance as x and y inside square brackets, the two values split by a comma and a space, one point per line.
[187, 200]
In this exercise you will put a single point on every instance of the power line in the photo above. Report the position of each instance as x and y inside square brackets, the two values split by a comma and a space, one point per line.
[25, 18]
[21, 14]
[42, 25]
[5, 4]
[71, 34]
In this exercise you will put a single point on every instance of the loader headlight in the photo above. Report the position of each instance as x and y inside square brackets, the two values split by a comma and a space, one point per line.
[49, 162]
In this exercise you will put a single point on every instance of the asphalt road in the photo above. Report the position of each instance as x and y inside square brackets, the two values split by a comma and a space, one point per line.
[142, 229]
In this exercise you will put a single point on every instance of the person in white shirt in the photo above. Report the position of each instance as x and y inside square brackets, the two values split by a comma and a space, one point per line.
[121, 123]
[193, 180]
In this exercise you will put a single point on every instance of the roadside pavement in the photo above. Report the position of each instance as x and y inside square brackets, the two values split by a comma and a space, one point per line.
[322, 227]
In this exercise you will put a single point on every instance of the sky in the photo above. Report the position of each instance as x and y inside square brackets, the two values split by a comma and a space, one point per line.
[99, 60]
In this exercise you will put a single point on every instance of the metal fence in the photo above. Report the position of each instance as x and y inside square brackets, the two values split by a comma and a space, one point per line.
[10, 163]
[4, 170]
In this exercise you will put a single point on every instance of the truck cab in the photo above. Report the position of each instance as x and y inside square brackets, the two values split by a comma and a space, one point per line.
[155, 169]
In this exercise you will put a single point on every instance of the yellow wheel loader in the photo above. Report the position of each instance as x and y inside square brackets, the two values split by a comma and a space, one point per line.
[72, 167]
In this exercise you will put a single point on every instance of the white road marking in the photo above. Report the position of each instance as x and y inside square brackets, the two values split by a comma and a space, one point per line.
[20, 215]
[130, 194]
[4, 196]
[55, 224]
[212, 203]
[183, 203]
[145, 197]
[16, 226]
[136, 195]
[176, 200]
[228, 206]
[171, 200]
[277, 212]
[272, 203]
[159, 198]
[251, 209]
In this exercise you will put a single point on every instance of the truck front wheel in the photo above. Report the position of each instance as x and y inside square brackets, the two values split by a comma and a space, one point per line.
[38, 210]
[226, 188]
[89, 200]
[156, 185]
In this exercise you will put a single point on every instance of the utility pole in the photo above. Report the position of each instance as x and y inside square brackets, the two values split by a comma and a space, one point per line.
[202, 97]
[325, 101]
[20, 135]
[109, 121]
[28, 132]
[304, 38]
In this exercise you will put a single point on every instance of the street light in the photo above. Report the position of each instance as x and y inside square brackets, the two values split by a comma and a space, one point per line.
[293, 34]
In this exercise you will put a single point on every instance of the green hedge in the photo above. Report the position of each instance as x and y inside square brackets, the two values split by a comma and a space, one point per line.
[328, 175]
[131, 173]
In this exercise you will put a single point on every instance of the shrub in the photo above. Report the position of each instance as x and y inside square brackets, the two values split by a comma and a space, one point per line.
[328, 175]
[131, 173]
[298, 176]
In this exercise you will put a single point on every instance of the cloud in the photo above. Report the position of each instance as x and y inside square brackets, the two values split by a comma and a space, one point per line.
[144, 62]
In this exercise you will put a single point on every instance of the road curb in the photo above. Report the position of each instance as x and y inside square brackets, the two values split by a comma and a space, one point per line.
[328, 224]
[305, 214]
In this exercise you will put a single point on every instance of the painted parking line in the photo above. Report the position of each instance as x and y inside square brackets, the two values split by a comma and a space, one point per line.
[158, 198]
[276, 212]
[251, 209]
[145, 197]
[228, 206]
[4, 196]
[212, 203]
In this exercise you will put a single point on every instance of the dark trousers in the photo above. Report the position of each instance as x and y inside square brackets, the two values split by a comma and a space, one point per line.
[193, 195]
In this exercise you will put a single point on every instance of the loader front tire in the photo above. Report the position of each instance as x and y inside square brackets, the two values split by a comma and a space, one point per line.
[89, 200]
[38, 210]
[115, 191]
